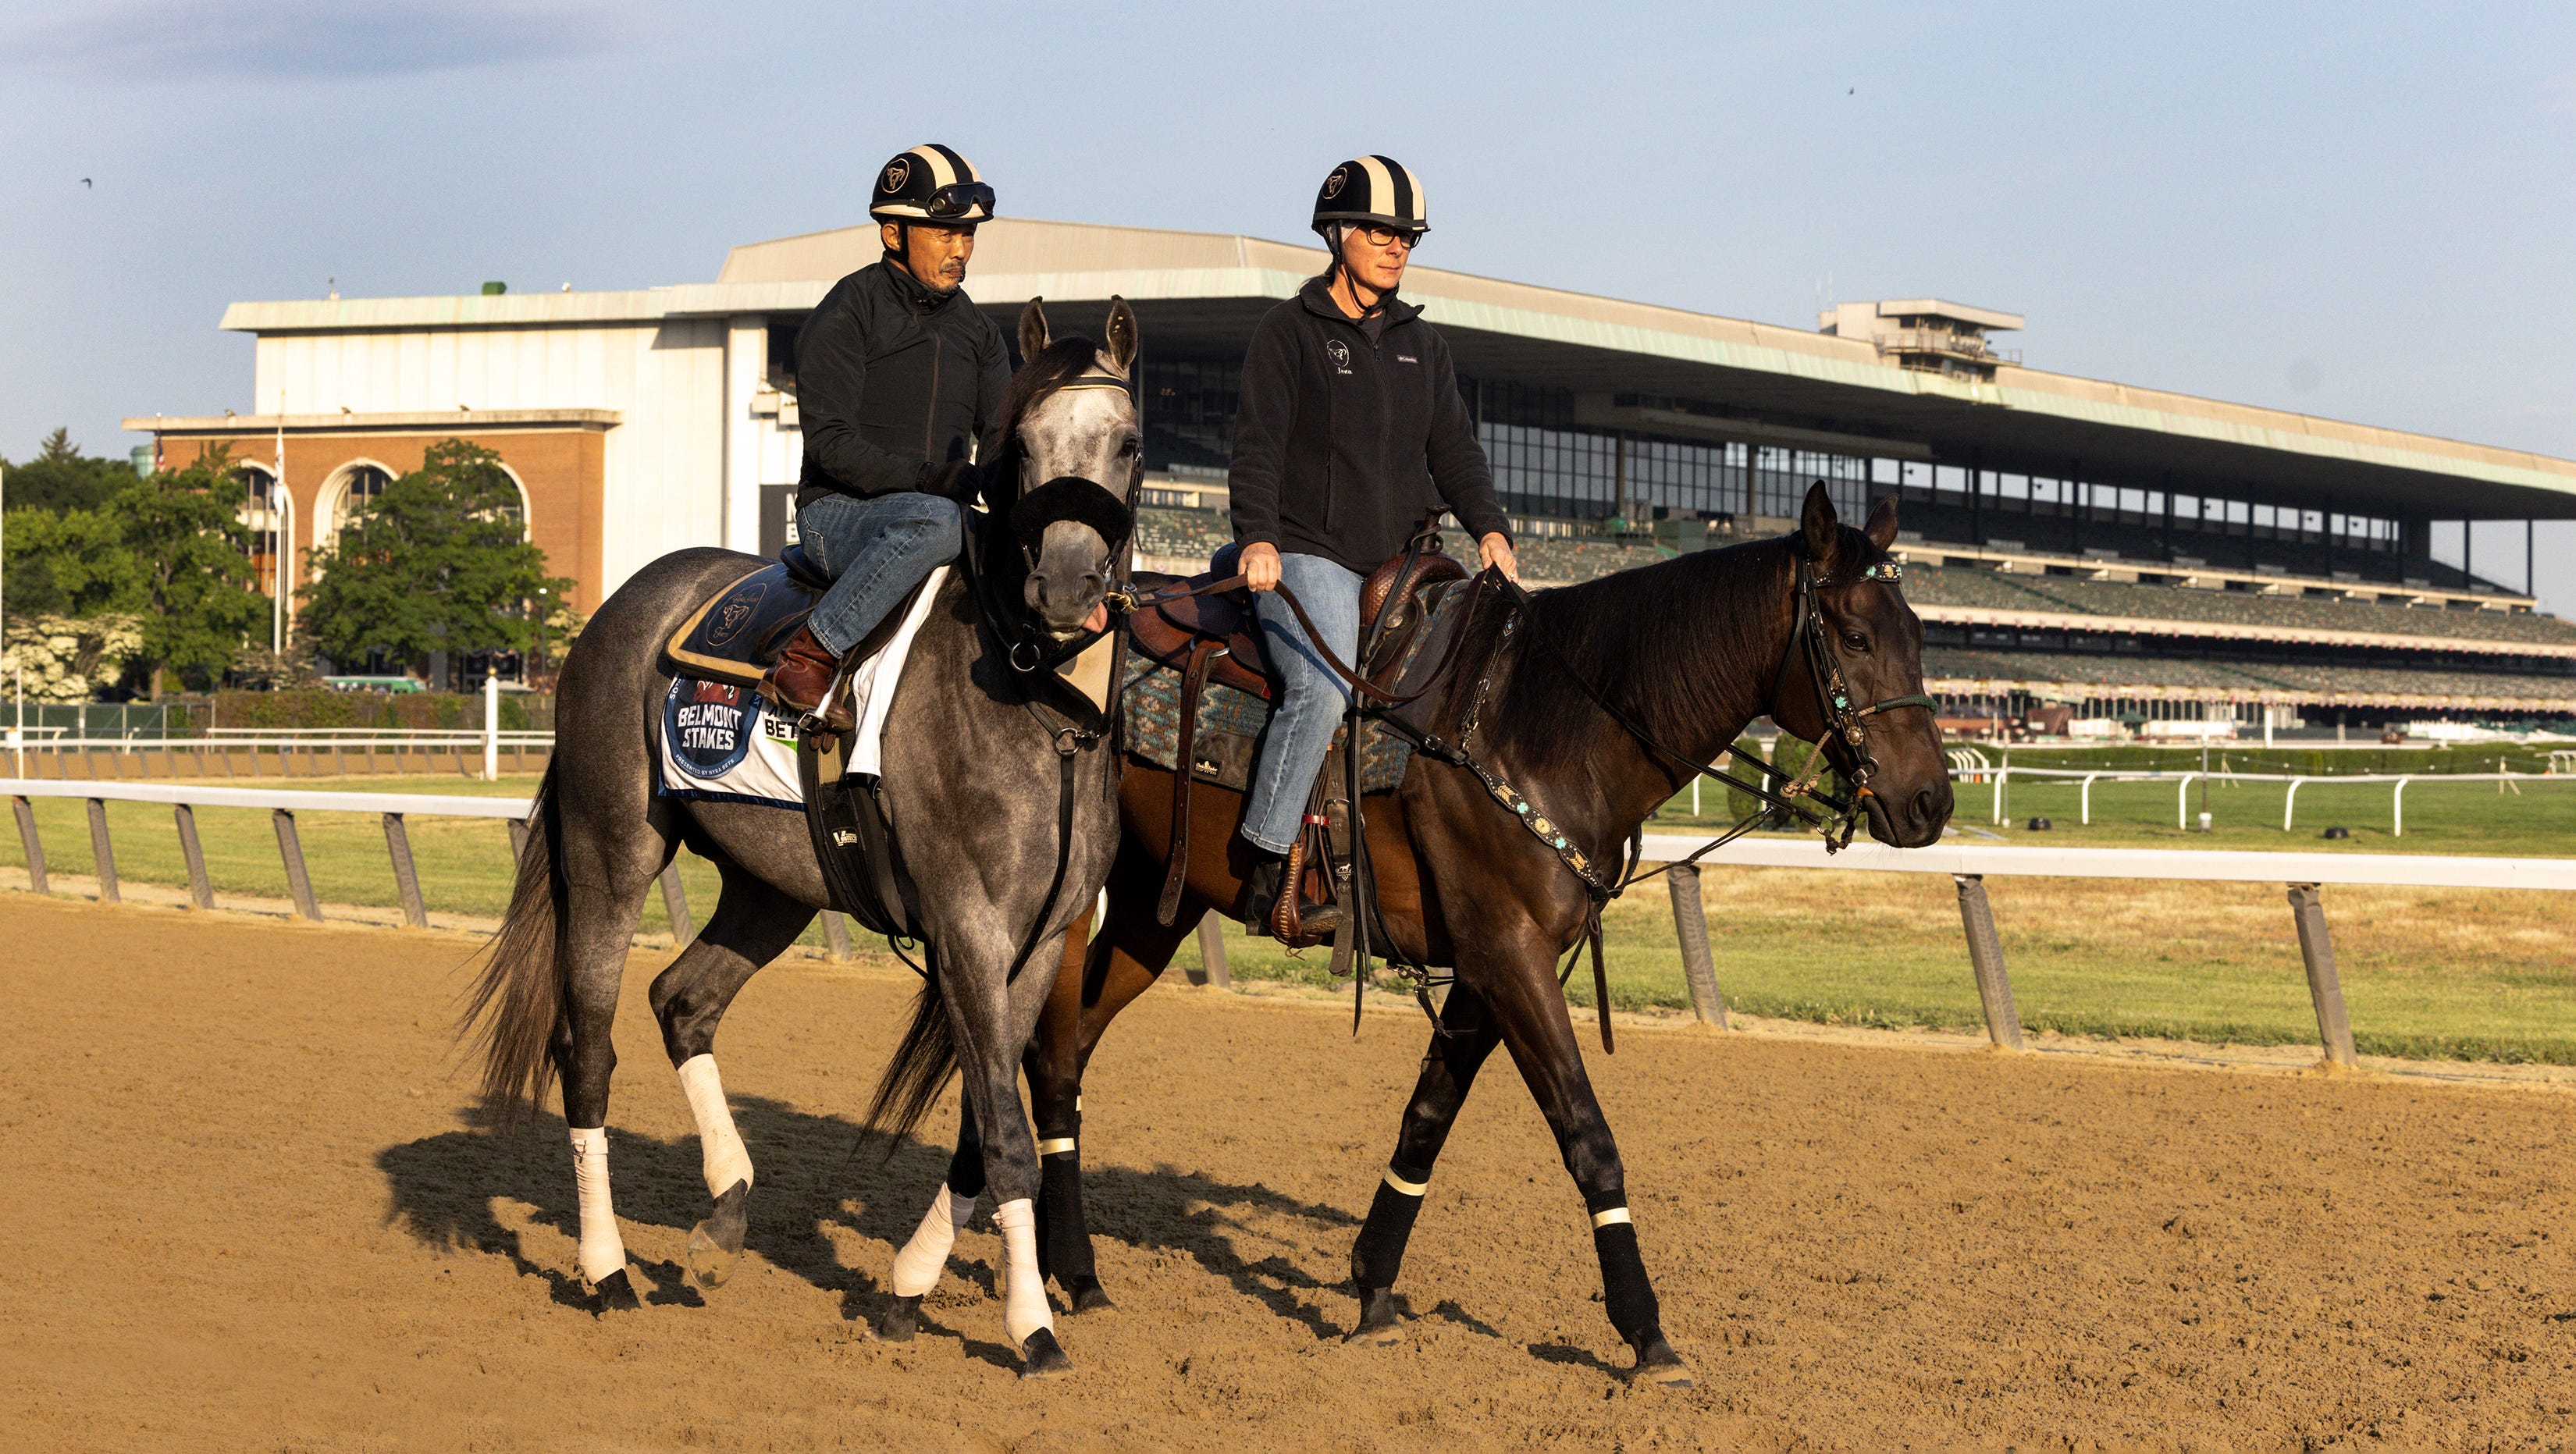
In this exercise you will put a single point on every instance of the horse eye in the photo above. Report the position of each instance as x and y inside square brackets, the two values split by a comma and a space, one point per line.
[1128, 446]
[1855, 642]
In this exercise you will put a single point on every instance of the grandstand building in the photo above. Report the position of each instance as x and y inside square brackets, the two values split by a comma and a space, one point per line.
[2122, 550]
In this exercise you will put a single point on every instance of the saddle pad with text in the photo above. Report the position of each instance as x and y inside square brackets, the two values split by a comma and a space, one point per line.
[722, 744]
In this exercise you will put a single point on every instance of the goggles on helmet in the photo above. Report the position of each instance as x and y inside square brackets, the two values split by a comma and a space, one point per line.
[959, 198]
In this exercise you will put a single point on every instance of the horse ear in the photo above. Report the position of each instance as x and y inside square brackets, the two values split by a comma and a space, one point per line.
[1122, 334]
[1881, 528]
[1819, 527]
[1033, 330]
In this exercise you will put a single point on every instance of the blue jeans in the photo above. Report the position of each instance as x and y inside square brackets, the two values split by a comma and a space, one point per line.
[875, 550]
[1311, 698]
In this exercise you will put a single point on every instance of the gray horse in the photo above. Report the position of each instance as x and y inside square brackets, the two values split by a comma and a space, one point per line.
[982, 758]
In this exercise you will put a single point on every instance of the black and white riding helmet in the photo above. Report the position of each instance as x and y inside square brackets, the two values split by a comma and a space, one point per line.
[931, 183]
[1371, 191]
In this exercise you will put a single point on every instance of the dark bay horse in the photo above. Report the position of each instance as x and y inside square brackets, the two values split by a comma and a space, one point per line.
[980, 759]
[1689, 651]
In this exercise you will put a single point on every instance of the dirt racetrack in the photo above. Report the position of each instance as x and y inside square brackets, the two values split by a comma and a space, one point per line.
[253, 1211]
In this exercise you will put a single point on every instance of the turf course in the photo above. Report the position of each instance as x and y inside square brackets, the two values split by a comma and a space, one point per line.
[2439, 973]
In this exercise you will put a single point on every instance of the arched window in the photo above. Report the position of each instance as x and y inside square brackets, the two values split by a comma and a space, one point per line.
[359, 484]
[261, 513]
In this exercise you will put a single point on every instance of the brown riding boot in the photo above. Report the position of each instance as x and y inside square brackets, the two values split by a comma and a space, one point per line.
[796, 682]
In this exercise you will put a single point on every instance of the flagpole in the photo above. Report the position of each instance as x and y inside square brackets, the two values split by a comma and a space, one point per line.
[277, 537]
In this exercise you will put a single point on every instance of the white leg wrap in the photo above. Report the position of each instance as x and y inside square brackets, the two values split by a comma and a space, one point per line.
[918, 1265]
[603, 1252]
[1024, 1302]
[719, 1144]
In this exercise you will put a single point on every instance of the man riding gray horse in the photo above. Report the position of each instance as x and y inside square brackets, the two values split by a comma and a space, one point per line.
[899, 378]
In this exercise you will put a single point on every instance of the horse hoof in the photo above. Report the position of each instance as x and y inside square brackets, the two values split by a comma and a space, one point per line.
[1088, 1296]
[898, 1323]
[1380, 1326]
[716, 1243]
[1042, 1357]
[614, 1293]
[1658, 1364]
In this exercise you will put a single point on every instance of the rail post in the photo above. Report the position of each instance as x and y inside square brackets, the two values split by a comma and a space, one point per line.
[1212, 970]
[836, 936]
[34, 846]
[2325, 988]
[1690, 926]
[675, 902]
[406, 874]
[201, 890]
[104, 852]
[2397, 810]
[2001, 773]
[291, 848]
[2087, 811]
[491, 724]
[2290, 803]
[2182, 802]
[1986, 953]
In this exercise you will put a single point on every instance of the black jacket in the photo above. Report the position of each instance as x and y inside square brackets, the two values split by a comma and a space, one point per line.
[1345, 440]
[893, 380]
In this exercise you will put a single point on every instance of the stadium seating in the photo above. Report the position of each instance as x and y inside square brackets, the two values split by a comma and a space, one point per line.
[1991, 590]
[1950, 664]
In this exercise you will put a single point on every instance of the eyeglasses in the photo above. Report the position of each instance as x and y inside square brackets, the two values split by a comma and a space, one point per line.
[959, 198]
[1377, 236]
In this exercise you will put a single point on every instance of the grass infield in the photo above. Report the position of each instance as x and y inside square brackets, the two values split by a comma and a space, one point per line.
[2426, 972]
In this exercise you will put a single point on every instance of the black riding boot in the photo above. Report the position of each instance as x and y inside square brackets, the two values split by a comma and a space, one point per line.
[1264, 914]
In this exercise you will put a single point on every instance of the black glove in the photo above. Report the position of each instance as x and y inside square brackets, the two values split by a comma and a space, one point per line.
[956, 480]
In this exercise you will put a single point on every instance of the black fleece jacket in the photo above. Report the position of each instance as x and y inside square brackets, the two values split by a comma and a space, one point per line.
[1349, 434]
[892, 381]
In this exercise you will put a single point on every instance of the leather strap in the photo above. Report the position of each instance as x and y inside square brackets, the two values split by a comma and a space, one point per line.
[1193, 681]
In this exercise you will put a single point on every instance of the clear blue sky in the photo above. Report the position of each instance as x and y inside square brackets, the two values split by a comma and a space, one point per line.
[2367, 213]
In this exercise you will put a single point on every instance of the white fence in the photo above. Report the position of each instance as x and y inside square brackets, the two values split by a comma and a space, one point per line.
[2002, 779]
[1969, 865]
[393, 808]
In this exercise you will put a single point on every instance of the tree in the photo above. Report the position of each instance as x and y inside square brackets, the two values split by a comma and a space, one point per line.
[190, 557]
[437, 562]
[61, 478]
[69, 563]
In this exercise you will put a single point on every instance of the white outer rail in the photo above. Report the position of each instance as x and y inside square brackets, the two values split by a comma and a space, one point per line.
[2416, 870]
[425, 805]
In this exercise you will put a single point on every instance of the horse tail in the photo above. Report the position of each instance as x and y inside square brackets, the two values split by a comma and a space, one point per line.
[920, 1067]
[518, 999]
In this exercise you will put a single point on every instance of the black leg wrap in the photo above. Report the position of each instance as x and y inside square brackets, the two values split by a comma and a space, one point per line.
[1625, 1293]
[1064, 1237]
[966, 1171]
[1378, 1255]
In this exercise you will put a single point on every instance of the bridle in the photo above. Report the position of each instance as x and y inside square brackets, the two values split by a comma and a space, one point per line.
[1807, 634]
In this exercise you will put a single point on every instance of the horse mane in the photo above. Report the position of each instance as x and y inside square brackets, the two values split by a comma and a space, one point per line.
[1680, 646]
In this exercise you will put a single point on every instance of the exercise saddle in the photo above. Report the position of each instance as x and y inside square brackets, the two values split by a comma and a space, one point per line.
[1174, 632]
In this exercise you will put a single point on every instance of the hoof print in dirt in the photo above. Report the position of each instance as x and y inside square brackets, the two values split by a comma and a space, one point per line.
[899, 1322]
[716, 1243]
[1659, 1365]
[614, 1294]
[1042, 1357]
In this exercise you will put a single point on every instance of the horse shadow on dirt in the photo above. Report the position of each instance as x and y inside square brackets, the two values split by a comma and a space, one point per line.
[814, 1175]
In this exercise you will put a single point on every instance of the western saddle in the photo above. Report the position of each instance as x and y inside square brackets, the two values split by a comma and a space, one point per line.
[1215, 637]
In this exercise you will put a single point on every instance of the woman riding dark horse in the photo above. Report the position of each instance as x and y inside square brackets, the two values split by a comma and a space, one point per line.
[1351, 427]
[1570, 717]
